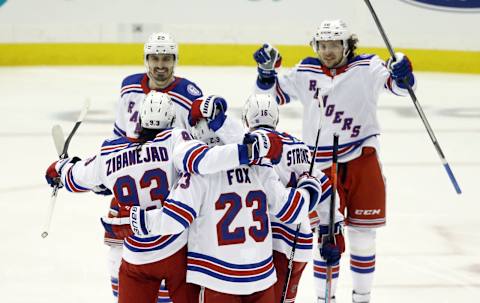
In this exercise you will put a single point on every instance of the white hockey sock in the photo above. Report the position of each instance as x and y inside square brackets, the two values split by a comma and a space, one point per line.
[114, 260]
[362, 261]
[320, 277]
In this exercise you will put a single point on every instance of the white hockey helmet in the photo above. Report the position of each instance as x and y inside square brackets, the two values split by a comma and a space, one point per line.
[160, 43]
[202, 132]
[261, 110]
[157, 111]
[332, 30]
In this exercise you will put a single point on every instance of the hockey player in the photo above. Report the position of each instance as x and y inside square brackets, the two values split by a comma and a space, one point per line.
[160, 58]
[227, 213]
[348, 87]
[261, 112]
[140, 174]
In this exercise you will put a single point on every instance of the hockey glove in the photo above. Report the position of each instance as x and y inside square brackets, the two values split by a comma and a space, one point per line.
[54, 170]
[401, 69]
[119, 228]
[212, 108]
[264, 144]
[138, 221]
[268, 59]
[331, 249]
[314, 188]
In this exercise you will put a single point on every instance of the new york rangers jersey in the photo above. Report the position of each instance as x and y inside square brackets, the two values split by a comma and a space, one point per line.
[294, 162]
[143, 174]
[229, 242]
[349, 97]
[134, 88]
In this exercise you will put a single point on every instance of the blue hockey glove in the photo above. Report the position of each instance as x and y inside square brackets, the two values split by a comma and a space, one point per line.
[264, 144]
[401, 69]
[331, 249]
[268, 59]
[212, 108]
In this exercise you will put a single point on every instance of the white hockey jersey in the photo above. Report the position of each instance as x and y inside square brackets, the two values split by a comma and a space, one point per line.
[294, 162]
[143, 174]
[229, 243]
[133, 91]
[349, 96]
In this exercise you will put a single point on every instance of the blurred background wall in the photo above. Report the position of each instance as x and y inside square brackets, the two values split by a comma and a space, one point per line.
[225, 32]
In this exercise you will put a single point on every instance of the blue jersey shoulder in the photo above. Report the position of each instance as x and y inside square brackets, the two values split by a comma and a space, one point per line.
[188, 89]
[133, 79]
[311, 61]
[362, 57]
[117, 141]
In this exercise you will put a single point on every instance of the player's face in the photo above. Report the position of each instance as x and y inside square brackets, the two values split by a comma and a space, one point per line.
[330, 52]
[160, 67]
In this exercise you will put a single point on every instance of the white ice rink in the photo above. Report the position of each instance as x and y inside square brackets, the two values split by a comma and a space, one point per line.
[428, 252]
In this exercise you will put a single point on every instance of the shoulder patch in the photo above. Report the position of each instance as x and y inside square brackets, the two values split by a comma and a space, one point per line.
[192, 90]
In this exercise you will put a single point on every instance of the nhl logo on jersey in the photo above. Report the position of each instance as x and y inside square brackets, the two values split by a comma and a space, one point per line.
[193, 90]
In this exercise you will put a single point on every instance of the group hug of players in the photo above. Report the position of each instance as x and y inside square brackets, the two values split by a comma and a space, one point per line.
[206, 209]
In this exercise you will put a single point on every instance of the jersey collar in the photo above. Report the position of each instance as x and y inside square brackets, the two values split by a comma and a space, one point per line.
[146, 89]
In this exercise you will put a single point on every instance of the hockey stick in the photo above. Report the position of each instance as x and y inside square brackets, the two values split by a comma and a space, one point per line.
[297, 231]
[58, 138]
[331, 215]
[57, 135]
[416, 103]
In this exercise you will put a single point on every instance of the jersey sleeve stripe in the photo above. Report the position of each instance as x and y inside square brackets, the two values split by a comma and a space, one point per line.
[185, 212]
[71, 185]
[136, 244]
[326, 188]
[191, 157]
[293, 206]
[287, 235]
[282, 97]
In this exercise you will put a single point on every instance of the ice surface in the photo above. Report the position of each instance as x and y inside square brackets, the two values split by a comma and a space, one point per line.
[428, 252]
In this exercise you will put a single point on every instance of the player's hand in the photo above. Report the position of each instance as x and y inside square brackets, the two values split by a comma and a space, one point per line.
[400, 69]
[331, 249]
[268, 59]
[314, 188]
[212, 108]
[264, 144]
[118, 227]
[102, 190]
[54, 170]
